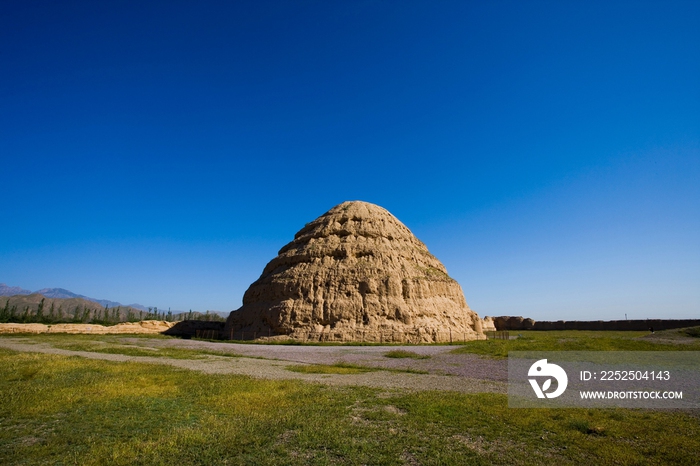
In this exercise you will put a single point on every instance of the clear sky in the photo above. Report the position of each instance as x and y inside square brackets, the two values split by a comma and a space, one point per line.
[162, 152]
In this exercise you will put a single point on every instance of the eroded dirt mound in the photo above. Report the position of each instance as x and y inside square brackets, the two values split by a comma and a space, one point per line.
[146, 326]
[356, 273]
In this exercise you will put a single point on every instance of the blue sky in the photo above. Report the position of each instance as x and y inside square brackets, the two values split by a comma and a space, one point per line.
[548, 153]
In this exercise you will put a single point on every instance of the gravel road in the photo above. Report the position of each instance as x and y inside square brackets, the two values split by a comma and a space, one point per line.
[454, 372]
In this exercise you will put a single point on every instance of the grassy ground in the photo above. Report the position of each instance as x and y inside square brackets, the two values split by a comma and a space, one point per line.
[578, 340]
[131, 350]
[345, 368]
[112, 344]
[403, 354]
[69, 410]
[338, 368]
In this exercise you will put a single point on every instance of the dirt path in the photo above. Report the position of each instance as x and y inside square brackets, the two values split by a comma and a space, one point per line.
[469, 373]
[438, 359]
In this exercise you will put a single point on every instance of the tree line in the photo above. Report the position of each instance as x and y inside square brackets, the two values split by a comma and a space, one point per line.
[82, 314]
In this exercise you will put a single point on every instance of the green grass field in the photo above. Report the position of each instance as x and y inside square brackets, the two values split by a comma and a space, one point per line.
[70, 410]
[338, 368]
[403, 354]
[345, 368]
[112, 344]
[582, 340]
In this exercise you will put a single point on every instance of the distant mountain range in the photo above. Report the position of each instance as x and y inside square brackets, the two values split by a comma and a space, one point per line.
[61, 293]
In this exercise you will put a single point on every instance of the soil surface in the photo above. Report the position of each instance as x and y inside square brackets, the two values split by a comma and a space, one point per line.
[455, 372]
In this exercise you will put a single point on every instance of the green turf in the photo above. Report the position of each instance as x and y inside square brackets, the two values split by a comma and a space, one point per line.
[338, 368]
[571, 340]
[346, 368]
[131, 350]
[115, 344]
[70, 410]
[400, 354]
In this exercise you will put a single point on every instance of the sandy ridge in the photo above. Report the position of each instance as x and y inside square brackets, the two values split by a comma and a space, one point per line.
[144, 326]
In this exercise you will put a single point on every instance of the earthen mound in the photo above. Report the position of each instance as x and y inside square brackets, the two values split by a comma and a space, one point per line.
[356, 273]
[144, 326]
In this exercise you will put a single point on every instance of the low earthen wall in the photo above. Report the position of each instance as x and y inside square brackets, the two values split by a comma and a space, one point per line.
[640, 325]
[196, 328]
[145, 326]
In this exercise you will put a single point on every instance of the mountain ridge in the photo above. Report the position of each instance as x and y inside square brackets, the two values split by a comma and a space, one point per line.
[62, 293]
